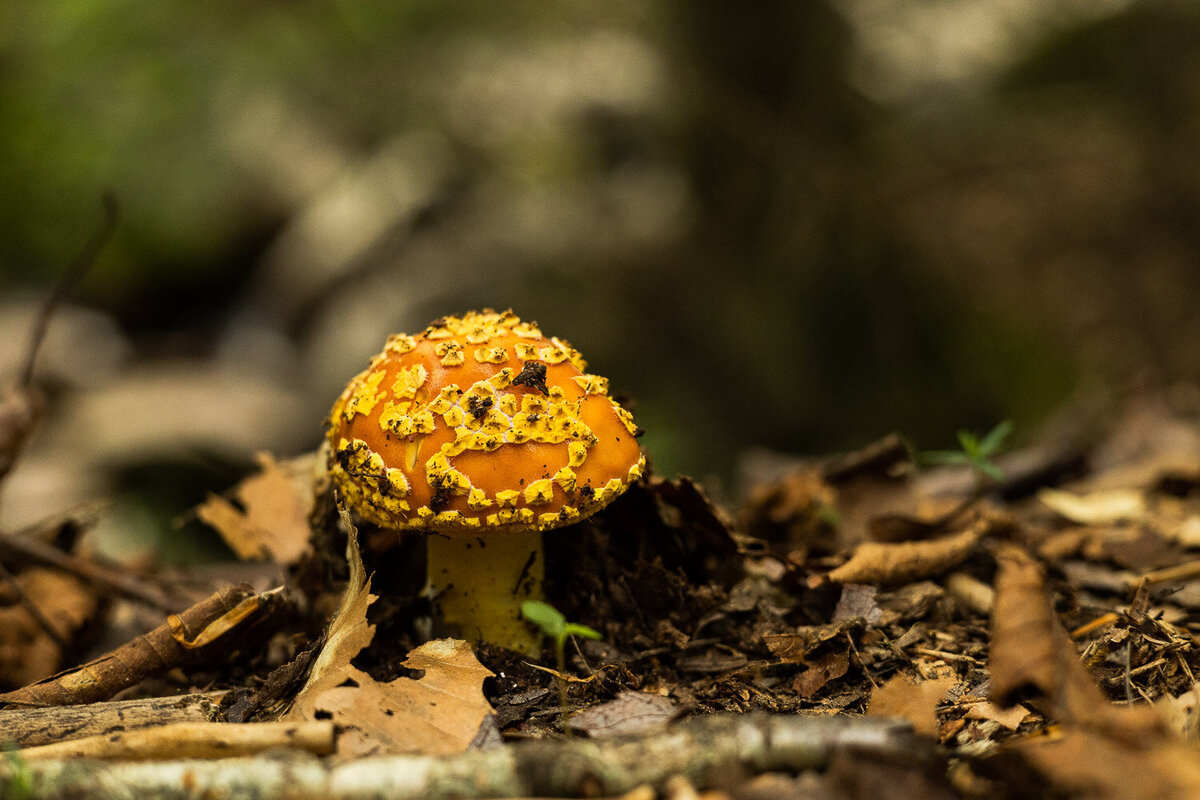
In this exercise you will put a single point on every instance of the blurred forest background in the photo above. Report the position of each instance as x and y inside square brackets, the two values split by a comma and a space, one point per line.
[790, 225]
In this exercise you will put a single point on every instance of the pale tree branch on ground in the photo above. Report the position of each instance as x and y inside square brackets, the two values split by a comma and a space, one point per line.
[30, 727]
[705, 750]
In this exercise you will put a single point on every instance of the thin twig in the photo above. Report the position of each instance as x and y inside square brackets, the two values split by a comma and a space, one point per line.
[75, 272]
[33, 610]
[123, 583]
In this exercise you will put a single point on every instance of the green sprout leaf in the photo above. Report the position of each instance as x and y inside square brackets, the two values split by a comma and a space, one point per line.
[575, 629]
[555, 625]
[976, 451]
[994, 440]
[546, 617]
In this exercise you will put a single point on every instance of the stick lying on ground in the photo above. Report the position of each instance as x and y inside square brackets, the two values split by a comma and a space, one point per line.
[30, 727]
[21, 404]
[207, 630]
[193, 740]
[19, 547]
[703, 750]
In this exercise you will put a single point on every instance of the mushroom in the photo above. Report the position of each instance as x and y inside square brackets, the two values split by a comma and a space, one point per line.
[481, 432]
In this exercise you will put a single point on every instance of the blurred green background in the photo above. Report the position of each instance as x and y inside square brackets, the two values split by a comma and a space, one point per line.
[793, 226]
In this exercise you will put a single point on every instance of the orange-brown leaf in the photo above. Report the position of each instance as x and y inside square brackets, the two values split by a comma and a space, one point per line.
[878, 563]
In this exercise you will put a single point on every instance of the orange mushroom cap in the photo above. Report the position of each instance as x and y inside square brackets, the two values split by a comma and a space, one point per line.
[480, 423]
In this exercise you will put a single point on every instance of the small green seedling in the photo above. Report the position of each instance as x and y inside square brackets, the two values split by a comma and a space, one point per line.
[555, 625]
[976, 451]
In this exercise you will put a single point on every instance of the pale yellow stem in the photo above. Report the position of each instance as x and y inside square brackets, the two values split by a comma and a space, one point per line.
[478, 584]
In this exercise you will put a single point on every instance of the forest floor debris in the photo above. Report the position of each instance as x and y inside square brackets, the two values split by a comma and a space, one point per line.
[1033, 636]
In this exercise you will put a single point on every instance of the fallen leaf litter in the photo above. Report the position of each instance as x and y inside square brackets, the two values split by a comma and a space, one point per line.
[1053, 625]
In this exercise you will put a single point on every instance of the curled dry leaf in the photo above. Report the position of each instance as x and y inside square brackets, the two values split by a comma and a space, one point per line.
[1102, 507]
[1031, 655]
[1033, 658]
[272, 522]
[438, 714]
[878, 563]
[223, 624]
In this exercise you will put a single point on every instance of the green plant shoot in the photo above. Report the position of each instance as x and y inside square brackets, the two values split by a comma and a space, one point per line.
[555, 626]
[976, 451]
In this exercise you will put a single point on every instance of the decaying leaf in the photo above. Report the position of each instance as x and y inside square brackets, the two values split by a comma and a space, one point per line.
[629, 713]
[1033, 659]
[915, 702]
[275, 505]
[1011, 717]
[1095, 508]
[439, 714]
[795, 647]
[28, 652]
[1031, 654]
[821, 671]
[878, 563]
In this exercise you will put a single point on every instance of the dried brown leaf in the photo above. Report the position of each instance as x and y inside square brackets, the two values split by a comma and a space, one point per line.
[821, 671]
[1010, 717]
[439, 714]
[275, 505]
[629, 713]
[28, 652]
[1088, 764]
[1032, 657]
[1102, 507]
[915, 702]
[1031, 654]
[878, 563]
[795, 647]
[349, 632]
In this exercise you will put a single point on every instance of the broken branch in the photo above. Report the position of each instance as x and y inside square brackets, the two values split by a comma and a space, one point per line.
[192, 740]
[700, 749]
[159, 650]
[30, 727]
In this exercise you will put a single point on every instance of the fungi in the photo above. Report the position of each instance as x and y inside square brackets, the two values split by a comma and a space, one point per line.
[481, 432]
